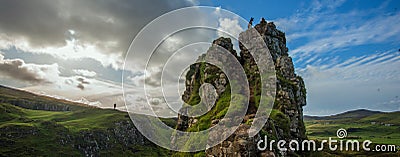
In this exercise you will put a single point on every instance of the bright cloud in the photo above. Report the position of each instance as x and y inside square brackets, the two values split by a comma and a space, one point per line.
[371, 82]
[84, 72]
[230, 26]
[327, 31]
[332, 49]
[84, 43]
[76, 29]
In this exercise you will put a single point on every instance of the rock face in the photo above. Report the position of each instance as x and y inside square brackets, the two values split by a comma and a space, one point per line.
[91, 143]
[286, 119]
[290, 91]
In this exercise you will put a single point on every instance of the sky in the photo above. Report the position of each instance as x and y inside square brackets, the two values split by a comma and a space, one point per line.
[348, 52]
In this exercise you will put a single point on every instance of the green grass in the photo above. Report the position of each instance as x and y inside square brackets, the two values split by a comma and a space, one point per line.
[365, 125]
[26, 132]
[376, 133]
[282, 120]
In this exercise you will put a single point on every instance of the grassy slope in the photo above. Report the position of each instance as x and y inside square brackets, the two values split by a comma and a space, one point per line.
[359, 127]
[15, 96]
[26, 132]
[36, 132]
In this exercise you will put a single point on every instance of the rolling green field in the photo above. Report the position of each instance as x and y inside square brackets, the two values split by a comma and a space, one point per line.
[379, 127]
[77, 130]
[35, 132]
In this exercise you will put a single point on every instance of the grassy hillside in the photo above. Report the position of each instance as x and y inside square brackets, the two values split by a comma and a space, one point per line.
[33, 101]
[379, 127]
[349, 115]
[79, 131]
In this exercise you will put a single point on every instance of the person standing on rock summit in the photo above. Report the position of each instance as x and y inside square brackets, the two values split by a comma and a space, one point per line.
[250, 23]
[263, 21]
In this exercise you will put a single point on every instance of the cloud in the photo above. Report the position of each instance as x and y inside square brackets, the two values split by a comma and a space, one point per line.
[217, 11]
[80, 86]
[153, 77]
[345, 54]
[101, 30]
[77, 81]
[77, 88]
[82, 82]
[172, 44]
[31, 73]
[84, 72]
[230, 26]
[155, 101]
[376, 30]
[73, 32]
[326, 30]
[370, 81]
[47, 79]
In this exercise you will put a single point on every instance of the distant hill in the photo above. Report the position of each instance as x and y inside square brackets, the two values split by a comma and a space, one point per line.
[33, 101]
[380, 127]
[355, 114]
[34, 125]
[359, 116]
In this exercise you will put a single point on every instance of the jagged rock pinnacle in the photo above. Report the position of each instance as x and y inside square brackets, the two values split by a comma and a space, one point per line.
[286, 122]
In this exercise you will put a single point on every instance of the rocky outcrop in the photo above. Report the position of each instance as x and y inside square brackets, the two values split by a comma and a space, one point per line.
[91, 143]
[290, 91]
[205, 82]
[285, 121]
[239, 144]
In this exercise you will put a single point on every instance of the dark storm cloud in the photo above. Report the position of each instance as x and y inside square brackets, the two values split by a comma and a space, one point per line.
[32, 73]
[13, 68]
[80, 86]
[154, 77]
[110, 25]
[82, 82]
